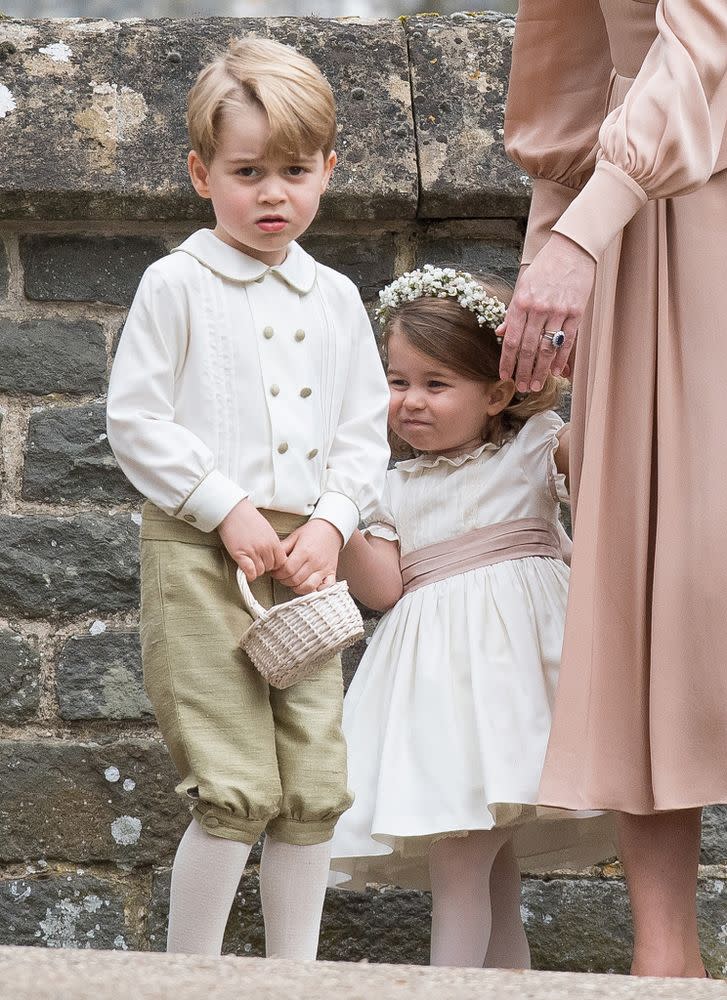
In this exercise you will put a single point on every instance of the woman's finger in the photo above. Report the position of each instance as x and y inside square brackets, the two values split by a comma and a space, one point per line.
[529, 350]
[561, 365]
[547, 352]
[512, 331]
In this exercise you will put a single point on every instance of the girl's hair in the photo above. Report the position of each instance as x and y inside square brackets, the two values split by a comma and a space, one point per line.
[446, 331]
[288, 86]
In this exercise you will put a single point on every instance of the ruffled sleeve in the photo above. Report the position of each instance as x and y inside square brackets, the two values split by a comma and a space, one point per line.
[538, 442]
[557, 99]
[381, 522]
[668, 136]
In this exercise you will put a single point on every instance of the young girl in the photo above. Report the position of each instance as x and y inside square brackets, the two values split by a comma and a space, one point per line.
[447, 718]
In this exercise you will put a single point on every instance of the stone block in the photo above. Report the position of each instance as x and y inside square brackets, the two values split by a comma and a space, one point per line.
[367, 260]
[100, 677]
[89, 802]
[65, 566]
[460, 67]
[68, 457]
[59, 910]
[4, 270]
[714, 836]
[497, 252]
[86, 268]
[99, 130]
[19, 678]
[42, 356]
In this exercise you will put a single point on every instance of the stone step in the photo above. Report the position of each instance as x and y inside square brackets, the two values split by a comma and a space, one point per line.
[35, 974]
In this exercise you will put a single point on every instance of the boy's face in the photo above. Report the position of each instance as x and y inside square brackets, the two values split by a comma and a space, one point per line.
[262, 202]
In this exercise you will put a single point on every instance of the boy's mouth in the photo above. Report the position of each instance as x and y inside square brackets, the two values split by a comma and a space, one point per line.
[271, 223]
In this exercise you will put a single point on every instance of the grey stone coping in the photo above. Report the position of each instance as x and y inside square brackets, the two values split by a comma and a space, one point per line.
[92, 120]
[98, 127]
[34, 974]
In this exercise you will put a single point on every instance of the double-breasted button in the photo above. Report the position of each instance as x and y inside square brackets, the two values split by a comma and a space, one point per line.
[282, 447]
[191, 518]
[312, 453]
[268, 332]
[305, 392]
[300, 335]
[274, 389]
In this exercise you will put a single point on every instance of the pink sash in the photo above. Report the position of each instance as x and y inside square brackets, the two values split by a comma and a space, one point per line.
[528, 536]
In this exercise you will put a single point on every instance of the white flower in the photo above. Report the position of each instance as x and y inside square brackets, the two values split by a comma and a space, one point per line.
[442, 283]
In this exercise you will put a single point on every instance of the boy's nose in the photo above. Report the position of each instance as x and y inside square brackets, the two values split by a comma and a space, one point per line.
[272, 194]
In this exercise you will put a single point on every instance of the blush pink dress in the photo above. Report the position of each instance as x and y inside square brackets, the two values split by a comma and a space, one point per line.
[618, 110]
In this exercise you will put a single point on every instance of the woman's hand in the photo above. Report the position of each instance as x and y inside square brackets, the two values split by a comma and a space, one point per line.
[551, 294]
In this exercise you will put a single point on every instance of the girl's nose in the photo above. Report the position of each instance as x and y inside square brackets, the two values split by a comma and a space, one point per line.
[414, 400]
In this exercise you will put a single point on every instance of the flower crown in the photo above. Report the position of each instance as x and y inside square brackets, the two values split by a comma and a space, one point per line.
[442, 283]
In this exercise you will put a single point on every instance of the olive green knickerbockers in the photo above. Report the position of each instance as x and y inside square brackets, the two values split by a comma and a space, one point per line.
[253, 758]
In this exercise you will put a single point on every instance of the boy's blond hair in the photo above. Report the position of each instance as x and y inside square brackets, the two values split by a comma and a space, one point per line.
[288, 86]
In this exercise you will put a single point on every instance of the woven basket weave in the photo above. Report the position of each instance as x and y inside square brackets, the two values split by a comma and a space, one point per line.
[288, 642]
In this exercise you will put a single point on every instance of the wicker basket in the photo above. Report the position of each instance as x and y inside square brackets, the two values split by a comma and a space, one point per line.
[288, 642]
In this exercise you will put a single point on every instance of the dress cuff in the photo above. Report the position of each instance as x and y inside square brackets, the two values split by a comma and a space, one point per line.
[211, 501]
[550, 200]
[607, 203]
[340, 510]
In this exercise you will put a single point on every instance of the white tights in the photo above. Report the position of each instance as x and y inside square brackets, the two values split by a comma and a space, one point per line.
[476, 902]
[205, 877]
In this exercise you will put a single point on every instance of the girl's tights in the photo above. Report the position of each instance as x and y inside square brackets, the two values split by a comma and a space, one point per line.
[205, 877]
[476, 902]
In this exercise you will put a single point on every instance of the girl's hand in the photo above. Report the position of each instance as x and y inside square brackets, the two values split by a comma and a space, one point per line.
[312, 552]
[551, 294]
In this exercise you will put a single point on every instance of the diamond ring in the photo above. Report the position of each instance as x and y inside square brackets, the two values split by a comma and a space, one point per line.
[556, 337]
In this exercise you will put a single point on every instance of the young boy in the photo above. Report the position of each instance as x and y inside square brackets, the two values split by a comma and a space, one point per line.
[247, 401]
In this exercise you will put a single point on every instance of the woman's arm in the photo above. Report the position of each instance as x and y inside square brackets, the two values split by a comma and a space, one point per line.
[371, 568]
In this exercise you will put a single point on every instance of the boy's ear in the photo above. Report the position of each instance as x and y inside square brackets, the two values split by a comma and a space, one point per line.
[500, 396]
[199, 174]
[328, 166]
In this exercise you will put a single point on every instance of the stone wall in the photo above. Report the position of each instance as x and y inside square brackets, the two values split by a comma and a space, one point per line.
[92, 189]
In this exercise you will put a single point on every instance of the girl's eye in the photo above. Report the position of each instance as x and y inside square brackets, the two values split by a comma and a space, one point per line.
[434, 384]
[398, 383]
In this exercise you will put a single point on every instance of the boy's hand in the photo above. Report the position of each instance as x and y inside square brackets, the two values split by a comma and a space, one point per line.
[312, 552]
[251, 541]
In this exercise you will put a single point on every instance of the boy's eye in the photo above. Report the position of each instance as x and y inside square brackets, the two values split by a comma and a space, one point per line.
[247, 171]
[297, 171]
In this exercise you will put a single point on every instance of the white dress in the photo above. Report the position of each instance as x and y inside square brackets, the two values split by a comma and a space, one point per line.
[448, 716]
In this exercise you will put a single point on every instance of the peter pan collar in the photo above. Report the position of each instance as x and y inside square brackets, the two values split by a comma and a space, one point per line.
[298, 269]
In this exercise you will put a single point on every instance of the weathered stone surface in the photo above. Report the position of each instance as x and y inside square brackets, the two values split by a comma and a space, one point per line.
[19, 678]
[85, 802]
[376, 926]
[497, 253]
[99, 131]
[86, 268]
[51, 355]
[100, 677]
[351, 657]
[4, 270]
[367, 260]
[460, 67]
[714, 836]
[69, 458]
[55, 565]
[59, 910]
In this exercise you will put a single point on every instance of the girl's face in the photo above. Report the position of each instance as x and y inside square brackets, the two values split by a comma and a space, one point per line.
[433, 408]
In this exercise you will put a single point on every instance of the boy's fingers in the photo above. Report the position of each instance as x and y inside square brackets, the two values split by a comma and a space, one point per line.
[248, 567]
[327, 581]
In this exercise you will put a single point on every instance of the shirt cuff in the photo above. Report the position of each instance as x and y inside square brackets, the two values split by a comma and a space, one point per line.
[340, 510]
[550, 200]
[211, 501]
[607, 203]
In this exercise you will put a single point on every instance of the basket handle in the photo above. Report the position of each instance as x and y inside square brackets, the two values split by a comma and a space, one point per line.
[254, 607]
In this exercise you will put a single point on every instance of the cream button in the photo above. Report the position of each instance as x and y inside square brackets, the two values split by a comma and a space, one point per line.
[274, 390]
[305, 392]
[282, 447]
[268, 332]
[312, 453]
[209, 820]
[191, 518]
[300, 335]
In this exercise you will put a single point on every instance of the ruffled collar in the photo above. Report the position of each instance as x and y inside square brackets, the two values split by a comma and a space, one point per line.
[298, 269]
[427, 461]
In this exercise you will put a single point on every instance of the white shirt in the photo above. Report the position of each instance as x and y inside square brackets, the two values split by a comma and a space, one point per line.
[233, 379]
